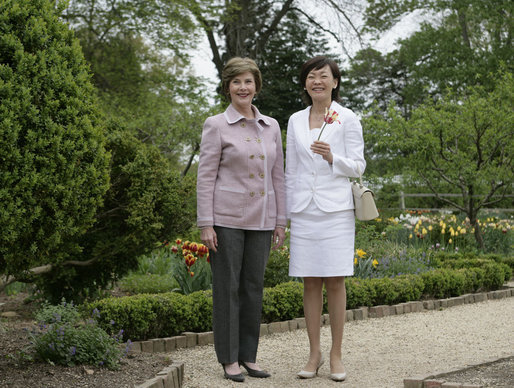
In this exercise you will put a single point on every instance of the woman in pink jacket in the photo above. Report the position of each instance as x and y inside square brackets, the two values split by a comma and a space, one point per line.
[241, 210]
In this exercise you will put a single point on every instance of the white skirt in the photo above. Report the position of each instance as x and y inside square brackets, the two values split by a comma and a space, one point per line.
[322, 244]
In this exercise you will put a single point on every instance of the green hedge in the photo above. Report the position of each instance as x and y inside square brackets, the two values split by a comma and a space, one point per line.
[162, 315]
[155, 315]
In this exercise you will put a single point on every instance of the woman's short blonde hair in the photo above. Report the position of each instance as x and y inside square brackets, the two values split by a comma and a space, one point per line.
[236, 66]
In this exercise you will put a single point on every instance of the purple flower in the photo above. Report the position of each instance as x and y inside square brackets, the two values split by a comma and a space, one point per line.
[73, 350]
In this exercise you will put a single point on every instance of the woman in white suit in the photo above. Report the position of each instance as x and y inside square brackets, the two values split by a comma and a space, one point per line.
[320, 205]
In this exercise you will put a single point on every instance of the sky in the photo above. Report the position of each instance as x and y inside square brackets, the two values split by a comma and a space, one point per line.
[203, 65]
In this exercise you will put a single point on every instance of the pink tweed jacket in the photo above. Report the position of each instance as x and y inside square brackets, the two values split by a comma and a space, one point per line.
[240, 182]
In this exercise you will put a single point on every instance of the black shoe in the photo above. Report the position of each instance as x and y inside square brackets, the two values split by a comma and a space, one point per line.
[237, 378]
[253, 372]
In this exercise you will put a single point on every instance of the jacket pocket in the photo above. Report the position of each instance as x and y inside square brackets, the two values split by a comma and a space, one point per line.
[229, 202]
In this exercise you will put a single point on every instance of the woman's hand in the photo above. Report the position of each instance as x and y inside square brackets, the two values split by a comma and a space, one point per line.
[209, 238]
[279, 235]
[323, 149]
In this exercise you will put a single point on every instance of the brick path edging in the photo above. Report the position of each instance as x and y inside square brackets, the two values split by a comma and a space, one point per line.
[172, 376]
[437, 379]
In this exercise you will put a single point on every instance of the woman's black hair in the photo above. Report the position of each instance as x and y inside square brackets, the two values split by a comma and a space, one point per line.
[317, 63]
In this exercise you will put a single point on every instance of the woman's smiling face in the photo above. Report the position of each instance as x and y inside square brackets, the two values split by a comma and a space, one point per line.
[242, 90]
[319, 84]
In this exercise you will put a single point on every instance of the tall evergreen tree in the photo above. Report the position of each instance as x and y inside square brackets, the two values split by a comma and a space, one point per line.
[54, 167]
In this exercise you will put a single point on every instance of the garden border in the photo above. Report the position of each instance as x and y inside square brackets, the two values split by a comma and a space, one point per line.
[436, 380]
[172, 376]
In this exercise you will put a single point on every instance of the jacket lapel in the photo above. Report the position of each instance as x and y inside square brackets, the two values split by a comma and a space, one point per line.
[303, 130]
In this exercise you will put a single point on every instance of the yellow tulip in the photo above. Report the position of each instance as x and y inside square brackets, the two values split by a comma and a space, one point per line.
[450, 241]
[355, 261]
[360, 253]
[424, 231]
[410, 235]
[375, 262]
[430, 227]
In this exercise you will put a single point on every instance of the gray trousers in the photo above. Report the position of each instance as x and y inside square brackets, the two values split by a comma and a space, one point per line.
[237, 284]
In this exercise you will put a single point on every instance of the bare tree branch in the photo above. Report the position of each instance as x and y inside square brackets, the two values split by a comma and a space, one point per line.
[43, 269]
[264, 37]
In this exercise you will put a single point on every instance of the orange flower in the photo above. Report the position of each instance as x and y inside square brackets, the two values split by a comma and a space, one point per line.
[330, 117]
[193, 247]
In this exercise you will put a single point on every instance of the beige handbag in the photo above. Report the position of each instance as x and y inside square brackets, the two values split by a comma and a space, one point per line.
[363, 199]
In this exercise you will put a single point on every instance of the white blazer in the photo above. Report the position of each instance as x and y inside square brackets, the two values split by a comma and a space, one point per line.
[309, 176]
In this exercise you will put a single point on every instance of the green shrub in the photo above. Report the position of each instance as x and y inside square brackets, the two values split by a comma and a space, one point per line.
[146, 202]
[150, 316]
[64, 312]
[148, 284]
[54, 166]
[277, 269]
[399, 289]
[63, 340]
[282, 302]
[359, 292]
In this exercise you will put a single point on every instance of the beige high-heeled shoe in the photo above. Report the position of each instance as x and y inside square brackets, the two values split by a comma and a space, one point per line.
[303, 374]
[338, 376]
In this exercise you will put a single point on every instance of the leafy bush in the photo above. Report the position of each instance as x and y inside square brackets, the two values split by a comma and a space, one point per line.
[359, 292]
[146, 202]
[150, 316]
[62, 339]
[54, 167]
[64, 312]
[283, 302]
[147, 284]
[277, 269]
[397, 290]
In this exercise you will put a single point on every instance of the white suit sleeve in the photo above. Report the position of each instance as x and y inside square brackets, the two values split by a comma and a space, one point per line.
[354, 161]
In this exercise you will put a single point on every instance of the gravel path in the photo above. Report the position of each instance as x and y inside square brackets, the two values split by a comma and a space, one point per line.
[378, 353]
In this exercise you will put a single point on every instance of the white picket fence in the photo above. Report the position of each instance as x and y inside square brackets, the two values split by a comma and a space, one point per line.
[404, 195]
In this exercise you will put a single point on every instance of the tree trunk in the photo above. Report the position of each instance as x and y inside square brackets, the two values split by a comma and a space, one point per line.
[472, 214]
[190, 161]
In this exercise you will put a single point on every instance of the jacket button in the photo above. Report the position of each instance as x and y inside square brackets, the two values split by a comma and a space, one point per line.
[262, 193]
[252, 156]
[252, 193]
[252, 176]
[243, 125]
[259, 140]
[261, 175]
[261, 157]
[247, 139]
